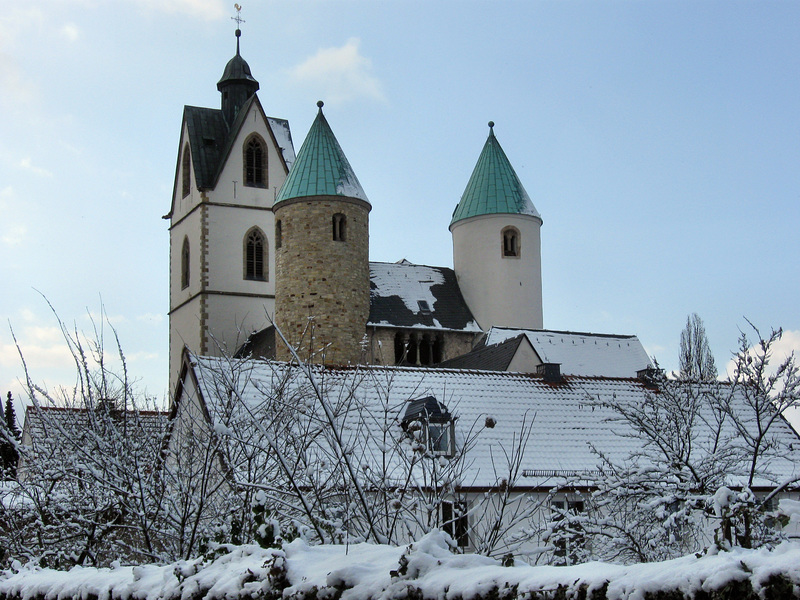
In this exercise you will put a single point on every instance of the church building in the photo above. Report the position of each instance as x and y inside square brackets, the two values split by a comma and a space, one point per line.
[262, 238]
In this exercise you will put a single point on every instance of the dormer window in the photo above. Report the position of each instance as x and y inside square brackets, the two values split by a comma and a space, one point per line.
[424, 307]
[510, 242]
[255, 162]
[339, 224]
[428, 421]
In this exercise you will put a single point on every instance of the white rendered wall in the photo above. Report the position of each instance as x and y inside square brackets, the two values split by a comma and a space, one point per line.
[500, 291]
[232, 318]
[220, 307]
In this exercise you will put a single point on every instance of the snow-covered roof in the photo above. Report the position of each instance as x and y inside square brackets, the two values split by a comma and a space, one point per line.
[40, 422]
[568, 418]
[280, 129]
[403, 294]
[590, 354]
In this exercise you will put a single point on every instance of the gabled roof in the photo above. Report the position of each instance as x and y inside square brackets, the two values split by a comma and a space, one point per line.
[496, 357]
[494, 187]
[569, 418]
[208, 134]
[278, 127]
[321, 168]
[406, 295]
[210, 141]
[39, 420]
[590, 354]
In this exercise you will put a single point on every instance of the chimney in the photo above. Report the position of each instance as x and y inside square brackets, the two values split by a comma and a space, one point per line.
[651, 376]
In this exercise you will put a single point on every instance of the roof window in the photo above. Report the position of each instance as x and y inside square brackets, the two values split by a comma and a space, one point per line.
[429, 422]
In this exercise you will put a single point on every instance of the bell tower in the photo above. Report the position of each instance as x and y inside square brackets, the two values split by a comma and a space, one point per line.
[231, 162]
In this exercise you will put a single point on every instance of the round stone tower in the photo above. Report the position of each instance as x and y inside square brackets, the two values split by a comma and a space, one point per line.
[322, 254]
[496, 245]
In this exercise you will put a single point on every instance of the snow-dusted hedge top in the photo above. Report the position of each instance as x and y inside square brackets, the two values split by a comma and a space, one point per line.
[426, 569]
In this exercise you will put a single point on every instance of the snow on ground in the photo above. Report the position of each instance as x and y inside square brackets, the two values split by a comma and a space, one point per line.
[365, 570]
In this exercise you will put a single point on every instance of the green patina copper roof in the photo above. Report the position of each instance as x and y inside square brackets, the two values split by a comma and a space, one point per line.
[321, 168]
[494, 187]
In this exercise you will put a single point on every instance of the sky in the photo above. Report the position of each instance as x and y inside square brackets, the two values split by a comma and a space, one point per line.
[659, 141]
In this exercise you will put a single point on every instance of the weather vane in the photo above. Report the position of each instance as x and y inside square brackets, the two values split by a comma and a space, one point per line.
[238, 18]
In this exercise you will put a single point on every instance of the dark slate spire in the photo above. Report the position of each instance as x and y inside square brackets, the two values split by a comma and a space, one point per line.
[494, 187]
[321, 168]
[237, 84]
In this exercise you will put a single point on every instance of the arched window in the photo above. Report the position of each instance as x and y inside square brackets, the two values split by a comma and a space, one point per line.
[255, 255]
[278, 234]
[339, 227]
[510, 242]
[186, 174]
[185, 264]
[255, 162]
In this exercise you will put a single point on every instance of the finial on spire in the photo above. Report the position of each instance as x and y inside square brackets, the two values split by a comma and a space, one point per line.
[320, 104]
[239, 20]
[491, 124]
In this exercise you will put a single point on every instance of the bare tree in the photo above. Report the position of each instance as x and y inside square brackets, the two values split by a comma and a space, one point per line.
[696, 360]
[703, 447]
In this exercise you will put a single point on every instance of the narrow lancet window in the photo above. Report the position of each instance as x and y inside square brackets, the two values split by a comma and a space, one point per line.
[185, 264]
[255, 159]
[255, 250]
[186, 174]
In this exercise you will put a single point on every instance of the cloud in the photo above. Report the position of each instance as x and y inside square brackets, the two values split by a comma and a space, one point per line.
[42, 347]
[339, 74]
[70, 32]
[17, 90]
[208, 10]
[12, 232]
[142, 356]
[789, 342]
[27, 164]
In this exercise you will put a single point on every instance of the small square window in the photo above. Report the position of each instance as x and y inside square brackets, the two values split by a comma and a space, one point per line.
[424, 307]
[440, 438]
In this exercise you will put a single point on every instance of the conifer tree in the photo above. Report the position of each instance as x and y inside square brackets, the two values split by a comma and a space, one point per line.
[9, 434]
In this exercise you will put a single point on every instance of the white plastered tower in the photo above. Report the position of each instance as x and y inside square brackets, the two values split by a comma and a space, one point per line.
[231, 162]
[496, 245]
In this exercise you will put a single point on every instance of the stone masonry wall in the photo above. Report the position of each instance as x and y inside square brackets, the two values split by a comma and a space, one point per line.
[322, 285]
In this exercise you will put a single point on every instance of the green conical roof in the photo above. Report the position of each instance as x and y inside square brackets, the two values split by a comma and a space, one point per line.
[321, 168]
[494, 187]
